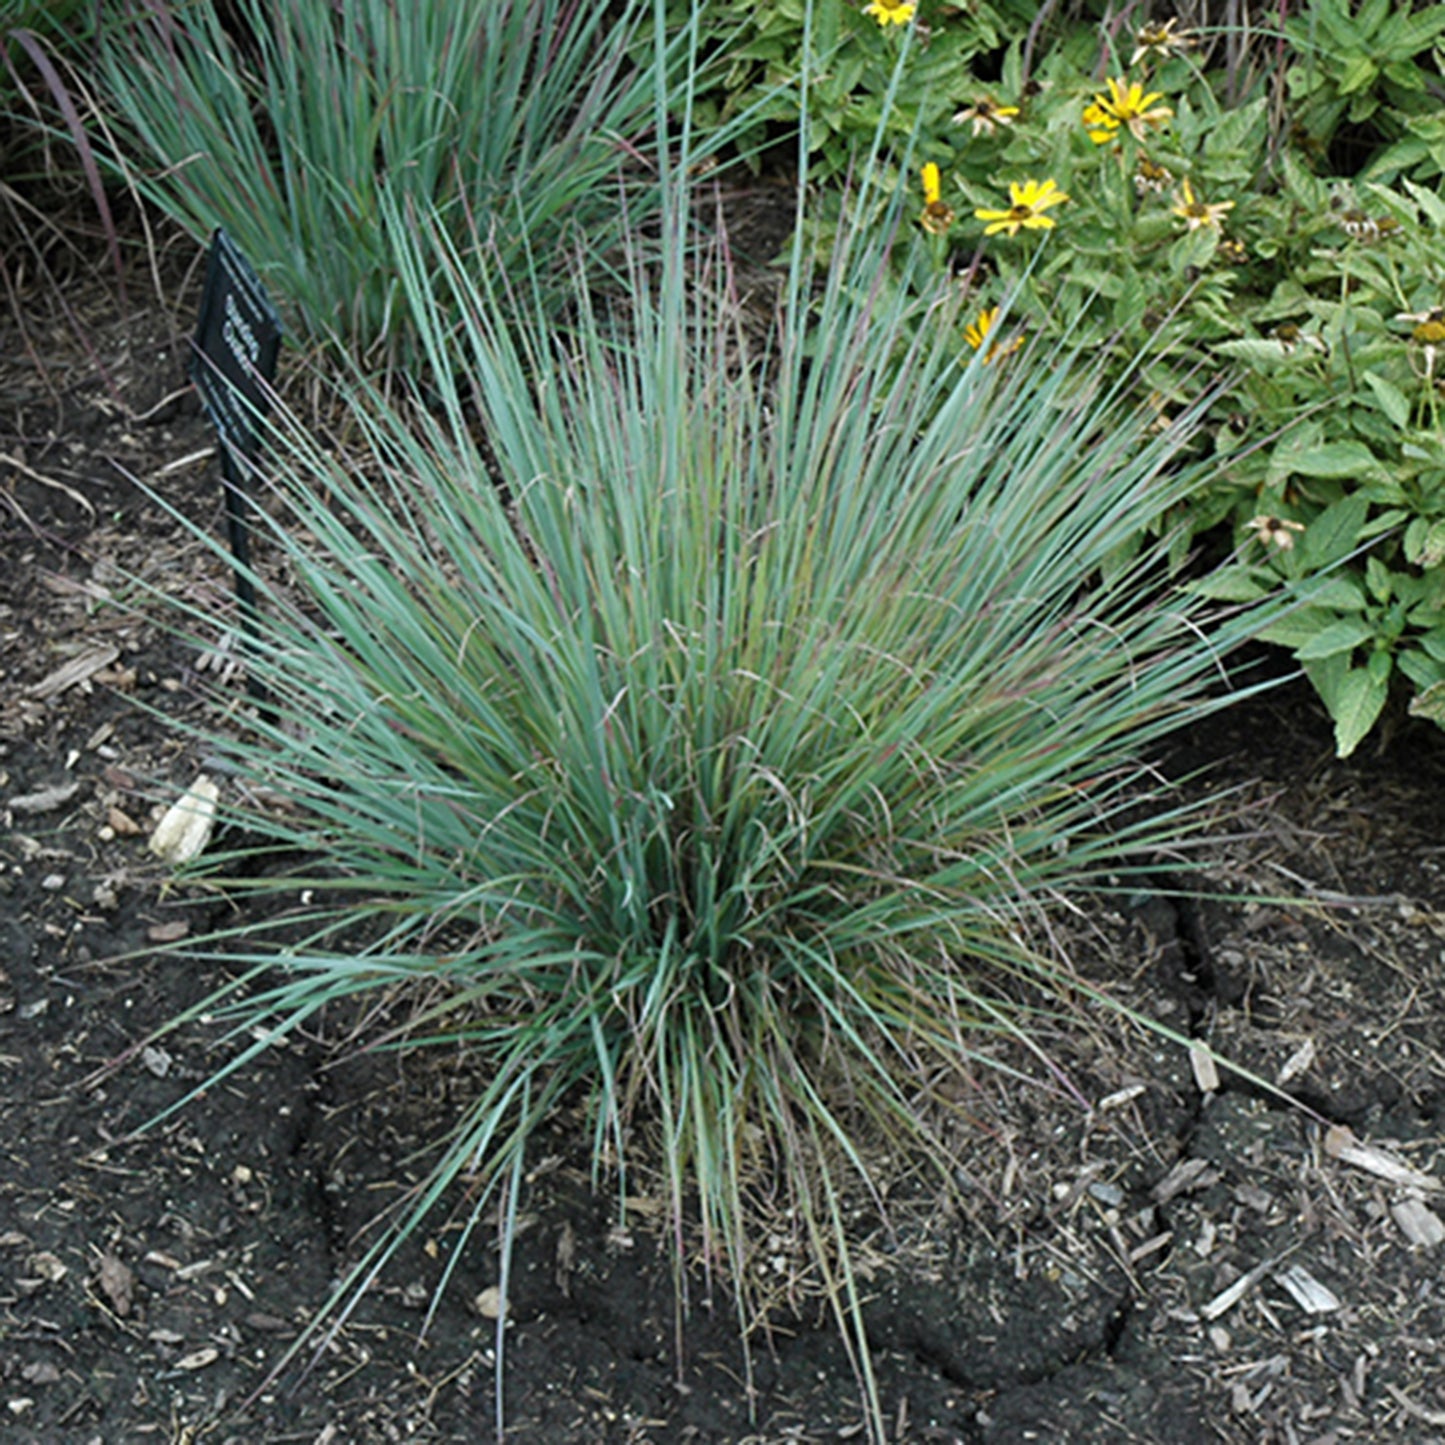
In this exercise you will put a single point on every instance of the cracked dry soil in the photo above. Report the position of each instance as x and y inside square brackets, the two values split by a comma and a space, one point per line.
[1163, 1265]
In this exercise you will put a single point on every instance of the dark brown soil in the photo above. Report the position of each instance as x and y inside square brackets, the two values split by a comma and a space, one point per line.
[1155, 1264]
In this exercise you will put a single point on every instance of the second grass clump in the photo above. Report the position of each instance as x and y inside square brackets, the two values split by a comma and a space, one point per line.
[709, 730]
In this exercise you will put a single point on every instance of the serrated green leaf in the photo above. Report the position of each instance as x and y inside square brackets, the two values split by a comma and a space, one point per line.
[1132, 301]
[1338, 593]
[1194, 249]
[1333, 535]
[1417, 30]
[1374, 16]
[1429, 201]
[1342, 635]
[1378, 580]
[1385, 521]
[1263, 354]
[1358, 703]
[1430, 704]
[1287, 299]
[1294, 629]
[1238, 131]
[1427, 447]
[1425, 542]
[1392, 400]
[1419, 594]
[1326, 677]
[1338, 24]
[1405, 74]
[1305, 186]
[1233, 584]
[1423, 671]
[1359, 74]
[1351, 460]
[1398, 157]
[1229, 585]
[1433, 643]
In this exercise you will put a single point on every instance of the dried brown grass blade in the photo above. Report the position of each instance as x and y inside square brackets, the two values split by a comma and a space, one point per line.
[32, 45]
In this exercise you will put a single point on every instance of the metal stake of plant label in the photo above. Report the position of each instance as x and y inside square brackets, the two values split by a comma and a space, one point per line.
[233, 361]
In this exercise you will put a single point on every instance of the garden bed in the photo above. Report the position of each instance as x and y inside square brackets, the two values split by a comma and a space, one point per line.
[1159, 1265]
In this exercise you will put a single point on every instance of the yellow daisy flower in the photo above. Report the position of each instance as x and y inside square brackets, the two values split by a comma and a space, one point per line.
[937, 214]
[1160, 41]
[977, 332]
[1360, 227]
[1275, 531]
[985, 115]
[1149, 178]
[1030, 199]
[1126, 106]
[890, 12]
[1429, 334]
[1195, 214]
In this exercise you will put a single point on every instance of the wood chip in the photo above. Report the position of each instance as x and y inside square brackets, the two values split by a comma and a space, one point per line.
[1430, 1417]
[159, 1062]
[122, 824]
[1341, 1144]
[1307, 1292]
[1253, 1197]
[1150, 1246]
[1186, 1174]
[1297, 1063]
[45, 800]
[1201, 1060]
[1418, 1223]
[198, 1359]
[80, 667]
[117, 1282]
[182, 834]
[566, 1257]
[1227, 1298]
[46, 1266]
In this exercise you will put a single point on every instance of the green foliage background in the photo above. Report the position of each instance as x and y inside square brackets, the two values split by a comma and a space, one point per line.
[1312, 301]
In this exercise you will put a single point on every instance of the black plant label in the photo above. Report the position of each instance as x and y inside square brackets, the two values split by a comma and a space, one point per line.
[233, 353]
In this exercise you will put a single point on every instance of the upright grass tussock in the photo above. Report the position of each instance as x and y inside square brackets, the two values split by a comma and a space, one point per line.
[712, 746]
[293, 125]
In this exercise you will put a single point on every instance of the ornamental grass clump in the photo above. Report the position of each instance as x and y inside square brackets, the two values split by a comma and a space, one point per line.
[705, 734]
[293, 125]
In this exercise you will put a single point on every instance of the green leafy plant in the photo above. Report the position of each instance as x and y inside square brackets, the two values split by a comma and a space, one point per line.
[1120, 183]
[708, 746]
[294, 125]
[1371, 68]
[843, 68]
[1351, 487]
